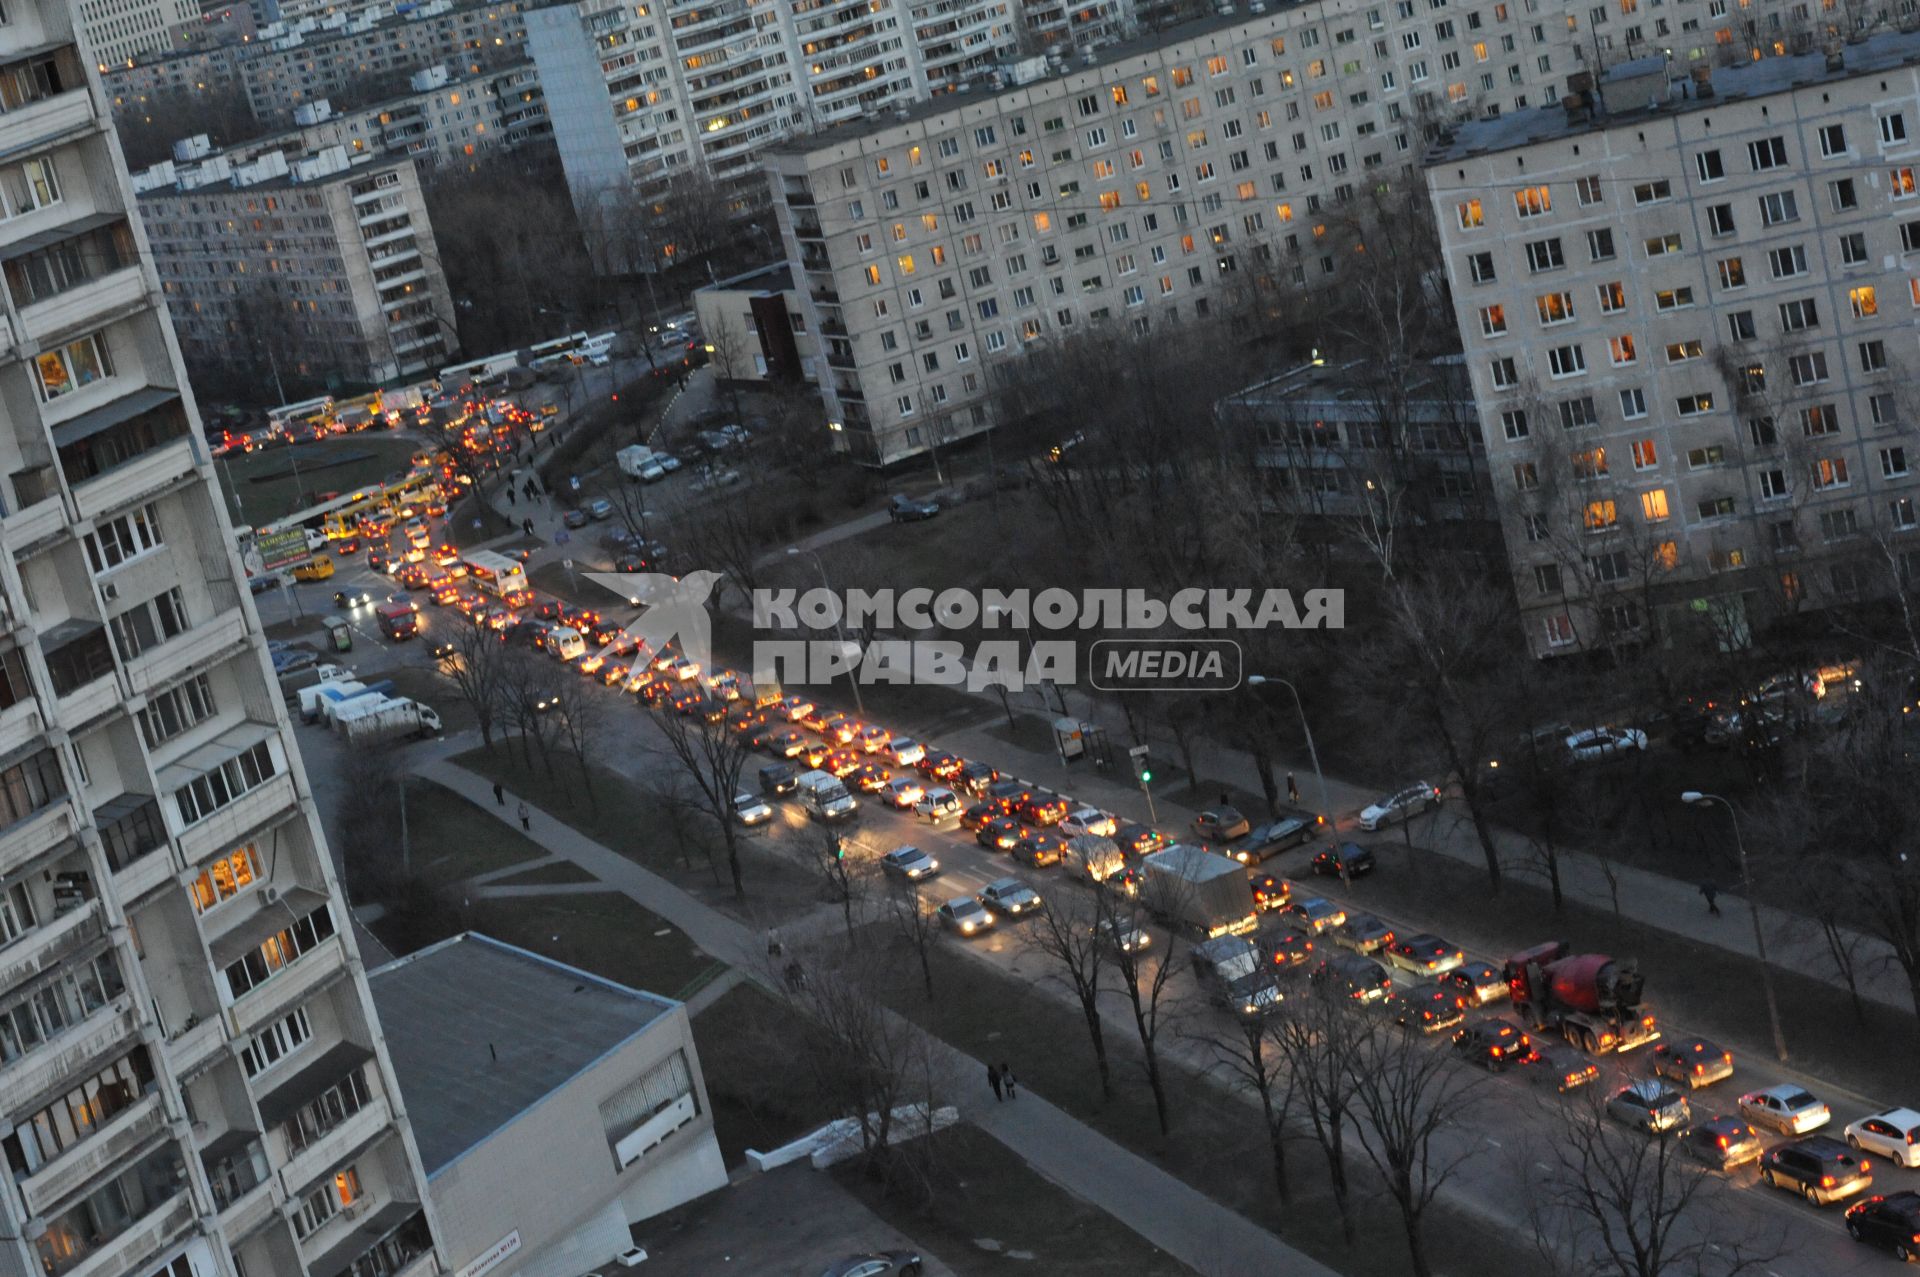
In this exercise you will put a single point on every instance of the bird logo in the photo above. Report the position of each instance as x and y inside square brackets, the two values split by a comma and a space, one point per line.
[675, 610]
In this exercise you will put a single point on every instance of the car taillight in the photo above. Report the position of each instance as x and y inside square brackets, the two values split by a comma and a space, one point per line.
[1647, 1022]
[1911, 1134]
[1865, 1165]
[1723, 1141]
[1699, 1068]
[1826, 1181]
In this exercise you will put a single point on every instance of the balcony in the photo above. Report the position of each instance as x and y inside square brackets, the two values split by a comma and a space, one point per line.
[35, 513]
[46, 947]
[84, 305]
[122, 487]
[842, 359]
[37, 124]
[236, 1164]
[109, 1031]
[393, 1241]
[160, 665]
[808, 228]
[226, 827]
[123, 1224]
[25, 841]
[125, 429]
[291, 984]
[112, 1143]
[131, 829]
[338, 1144]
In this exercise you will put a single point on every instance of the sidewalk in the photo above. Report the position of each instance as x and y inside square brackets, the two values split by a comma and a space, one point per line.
[1188, 1225]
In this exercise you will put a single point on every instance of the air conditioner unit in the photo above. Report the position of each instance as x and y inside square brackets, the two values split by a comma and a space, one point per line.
[270, 895]
[355, 1208]
[109, 591]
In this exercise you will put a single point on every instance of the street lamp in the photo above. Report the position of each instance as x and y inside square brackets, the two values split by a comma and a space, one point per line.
[1319, 777]
[853, 674]
[1696, 798]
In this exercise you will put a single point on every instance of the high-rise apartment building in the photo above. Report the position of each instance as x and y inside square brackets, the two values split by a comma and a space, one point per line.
[111, 31]
[192, 1078]
[1688, 310]
[1141, 182]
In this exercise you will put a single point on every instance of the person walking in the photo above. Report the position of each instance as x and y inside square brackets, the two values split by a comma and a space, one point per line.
[511, 499]
[1006, 1080]
[526, 818]
[526, 526]
[796, 978]
[773, 943]
[993, 1080]
[1293, 790]
[1712, 893]
[1226, 799]
[499, 795]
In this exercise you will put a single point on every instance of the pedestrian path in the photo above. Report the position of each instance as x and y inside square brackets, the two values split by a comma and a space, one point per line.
[1186, 1224]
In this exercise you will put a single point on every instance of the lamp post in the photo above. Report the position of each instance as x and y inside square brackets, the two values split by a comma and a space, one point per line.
[853, 675]
[1046, 684]
[1696, 798]
[1313, 755]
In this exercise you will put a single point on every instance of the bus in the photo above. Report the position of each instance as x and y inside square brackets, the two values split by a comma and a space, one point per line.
[495, 574]
[309, 412]
[558, 351]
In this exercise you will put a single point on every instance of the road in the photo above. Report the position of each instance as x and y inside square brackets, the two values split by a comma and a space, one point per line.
[1512, 1116]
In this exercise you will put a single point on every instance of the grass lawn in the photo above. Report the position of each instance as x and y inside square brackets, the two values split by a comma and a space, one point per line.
[1709, 990]
[267, 488]
[983, 1191]
[1216, 1144]
[454, 840]
[754, 1106]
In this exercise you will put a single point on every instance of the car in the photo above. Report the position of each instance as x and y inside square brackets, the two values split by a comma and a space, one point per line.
[976, 816]
[1124, 934]
[1723, 1143]
[842, 762]
[614, 673]
[1271, 839]
[1481, 982]
[1363, 933]
[879, 1263]
[904, 793]
[787, 744]
[813, 753]
[965, 915]
[938, 806]
[870, 777]
[779, 779]
[1343, 860]
[975, 779]
[713, 479]
[1893, 1134]
[653, 471]
[574, 518]
[910, 863]
[1270, 892]
[1786, 1108]
[1693, 1062]
[1000, 833]
[1088, 820]
[1403, 805]
[1890, 1221]
[1010, 897]
[403, 600]
[291, 660]
[873, 739]
[443, 650]
[1041, 808]
[751, 809]
[906, 751]
[1138, 840]
[258, 585]
[1560, 1067]
[1313, 915]
[1426, 1007]
[1288, 948]
[377, 560]
[1597, 743]
[1494, 1045]
[794, 708]
[1821, 1169]
[1424, 954]
[1039, 848]
[352, 598]
[938, 764]
[1352, 976]
[906, 509]
[1650, 1105]
[1221, 824]
[600, 510]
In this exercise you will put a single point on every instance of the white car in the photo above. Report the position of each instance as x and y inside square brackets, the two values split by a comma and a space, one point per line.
[1404, 805]
[939, 805]
[1124, 934]
[1089, 820]
[1894, 1135]
[906, 751]
[652, 472]
[751, 809]
[903, 794]
[1785, 1108]
[1597, 743]
[910, 863]
[965, 915]
[1010, 896]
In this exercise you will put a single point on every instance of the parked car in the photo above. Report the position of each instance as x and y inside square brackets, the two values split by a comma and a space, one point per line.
[1894, 1134]
[1650, 1105]
[1692, 1062]
[906, 509]
[1494, 1045]
[574, 518]
[1820, 1169]
[1404, 805]
[1271, 839]
[1481, 982]
[880, 1263]
[1722, 1143]
[751, 809]
[1361, 979]
[1424, 954]
[1890, 1221]
[1561, 1067]
[1313, 915]
[1009, 897]
[1786, 1108]
[1363, 933]
[1597, 743]
[600, 510]
[910, 863]
[1221, 824]
[965, 915]
[1356, 861]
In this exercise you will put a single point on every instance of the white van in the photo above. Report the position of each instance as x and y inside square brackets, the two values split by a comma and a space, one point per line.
[565, 643]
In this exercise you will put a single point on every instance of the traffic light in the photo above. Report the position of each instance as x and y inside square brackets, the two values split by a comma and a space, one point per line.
[1146, 773]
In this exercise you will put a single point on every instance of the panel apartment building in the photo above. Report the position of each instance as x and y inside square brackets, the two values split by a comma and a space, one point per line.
[1688, 311]
[112, 31]
[1139, 187]
[327, 262]
[192, 1077]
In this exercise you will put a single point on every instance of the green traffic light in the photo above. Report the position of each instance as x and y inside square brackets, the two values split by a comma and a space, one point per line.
[1145, 775]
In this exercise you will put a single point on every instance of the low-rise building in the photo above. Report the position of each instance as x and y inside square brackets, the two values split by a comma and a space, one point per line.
[755, 329]
[553, 1109]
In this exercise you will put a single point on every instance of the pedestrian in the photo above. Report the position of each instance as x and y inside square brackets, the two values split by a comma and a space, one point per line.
[773, 943]
[1006, 1080]
[526, 818]
[510, 496]
[1226, 799]
[796, 978]
[993, 1080]
[526, 526]
[499, 795]
[1712, 893]
[1293, 790]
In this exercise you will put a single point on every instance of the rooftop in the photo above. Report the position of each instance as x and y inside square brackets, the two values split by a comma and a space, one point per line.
[1765, 78]
[480, 1031]
[775, 277]
[1436, 390]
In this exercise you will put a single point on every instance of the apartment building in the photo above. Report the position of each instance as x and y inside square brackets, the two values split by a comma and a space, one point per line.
[754, 328]
[111, 31]
[192, 1079]
[327, 263]
[1687, 309]
[335, 55]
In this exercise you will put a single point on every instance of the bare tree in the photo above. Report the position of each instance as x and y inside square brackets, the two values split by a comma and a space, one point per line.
[842, 873]
[1069, 932]
[1320, 1035]
[1253, 1058]
[578, 713]
[914, 923]
[1143, 975]
[712, 759]
[530, 686]
[477, 670]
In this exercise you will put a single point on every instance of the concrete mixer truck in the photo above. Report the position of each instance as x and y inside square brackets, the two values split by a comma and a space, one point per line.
[1590, 999]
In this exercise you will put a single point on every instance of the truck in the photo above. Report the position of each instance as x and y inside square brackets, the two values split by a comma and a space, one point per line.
[1590, 999]
[298, 681]
[633, 459]
[398, 621]
[1093, 857]
[1197, 889]
[311, 698]
[1234, 973]
[373, 721]
[824, 797]
[495, 573]
[329, 704]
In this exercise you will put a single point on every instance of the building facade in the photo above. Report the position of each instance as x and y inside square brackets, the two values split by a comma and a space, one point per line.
[192, 1080]
[755, 329]
[1687, 308]
[327, 263]
[554, 1109]
[114, 30]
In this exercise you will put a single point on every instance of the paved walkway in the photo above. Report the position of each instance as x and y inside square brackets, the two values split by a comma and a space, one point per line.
[1188, 1225]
